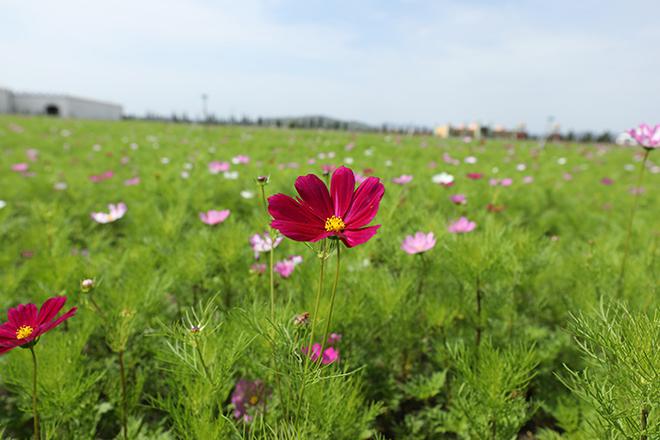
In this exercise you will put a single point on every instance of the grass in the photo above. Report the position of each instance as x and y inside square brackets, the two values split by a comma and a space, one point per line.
[492, 334]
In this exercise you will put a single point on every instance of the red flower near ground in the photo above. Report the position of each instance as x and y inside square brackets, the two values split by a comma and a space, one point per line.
[343, 212]
[25, 324]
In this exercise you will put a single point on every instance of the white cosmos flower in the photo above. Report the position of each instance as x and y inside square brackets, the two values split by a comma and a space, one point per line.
[231, 175]
[246, 194]
[2, 204]
[443, 178]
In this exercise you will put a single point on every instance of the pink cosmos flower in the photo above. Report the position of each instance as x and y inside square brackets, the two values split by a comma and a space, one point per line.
[263, 243]
[116, 212]
[403, 179]
[216, 167]
[258, 268]
[213, 217]
[240, 159]
[359, 178]
[528, 179]
[247, 395]
[101, 177]
[32, 154]
[20, 167]
[461, 226]
[474, 176]
[458, 199]
[502, 182]
[334, 338]
[342, 212]
[418, 243]
[285, 267]
[132, 181]
[606, 181]
[646, 136]
[330, 354]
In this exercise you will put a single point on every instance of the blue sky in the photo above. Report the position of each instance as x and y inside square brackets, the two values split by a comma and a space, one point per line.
[590, 64]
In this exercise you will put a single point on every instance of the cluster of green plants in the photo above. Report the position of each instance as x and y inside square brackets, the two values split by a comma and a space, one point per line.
[541, 323]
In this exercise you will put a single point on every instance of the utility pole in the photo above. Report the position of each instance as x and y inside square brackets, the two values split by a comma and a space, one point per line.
[205, 112]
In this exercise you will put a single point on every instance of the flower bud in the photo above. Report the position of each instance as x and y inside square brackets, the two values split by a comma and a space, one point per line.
[87, 285]
[302, 319]
[262, 180]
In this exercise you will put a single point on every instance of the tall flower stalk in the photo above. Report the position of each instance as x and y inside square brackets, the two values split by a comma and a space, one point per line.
[262, 181]
[631, 219]
[332, 304]
[35, 410]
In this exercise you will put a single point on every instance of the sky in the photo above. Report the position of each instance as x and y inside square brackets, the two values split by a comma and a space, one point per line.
[591, 65]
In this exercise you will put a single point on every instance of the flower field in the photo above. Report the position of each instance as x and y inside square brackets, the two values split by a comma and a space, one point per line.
[173, 281]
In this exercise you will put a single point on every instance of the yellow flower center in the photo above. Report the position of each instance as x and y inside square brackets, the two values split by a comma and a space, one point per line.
[334, 224]
[24, 331]
[254, 400]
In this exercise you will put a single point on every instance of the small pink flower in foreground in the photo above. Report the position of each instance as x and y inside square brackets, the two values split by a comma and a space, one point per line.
[132, 181]
[646, 136]
[342, 212]
[418, 243]
[216, 167]
[461, 226]
[285, 267]
[116, 212]
[402, 179]
[20, 167]
[246, 395]
[263, 243]
[25, 325]
[240, 159]
[330, 354]
[458, 199]
[213, 217]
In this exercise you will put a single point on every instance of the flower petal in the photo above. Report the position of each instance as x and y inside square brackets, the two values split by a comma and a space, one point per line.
[365, 203]
[23, 314]
[50, 309]
[315, 194]
[342, 187]
[352, 238]
[52, 324]
[294, 220]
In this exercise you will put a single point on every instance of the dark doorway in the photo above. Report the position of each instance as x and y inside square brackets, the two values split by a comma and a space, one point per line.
[52, 110]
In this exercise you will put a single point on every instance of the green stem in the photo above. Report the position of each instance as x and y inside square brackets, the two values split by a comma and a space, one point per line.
[35, 412]
[332, 304]
[631, 219]
[478, 327]
[272, 279]
[201, 360]
[644, 420]
[314, 318]
[124, 416]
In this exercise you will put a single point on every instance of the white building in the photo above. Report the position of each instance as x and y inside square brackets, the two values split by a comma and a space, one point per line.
[57, 105]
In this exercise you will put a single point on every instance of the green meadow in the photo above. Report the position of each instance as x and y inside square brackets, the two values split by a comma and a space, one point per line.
[541, 323]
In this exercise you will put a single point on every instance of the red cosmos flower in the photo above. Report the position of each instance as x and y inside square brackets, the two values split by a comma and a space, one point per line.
[25, 324]
[316, 214]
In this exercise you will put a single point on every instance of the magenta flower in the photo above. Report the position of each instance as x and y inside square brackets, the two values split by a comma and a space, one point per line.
[334, 338]
[285, 267]
[213, 217]
[342, 212]
[32, 154]
[247, 395]
[263, 243]
[461, 226]
[216, 167]
[20, 167]
[418, 243]
[646, 136]
[474, 176]
[25, 325]
[606, 181]
[132, 181]
[458, 199]
[330, 354]
[402, 179]
[115, 213]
